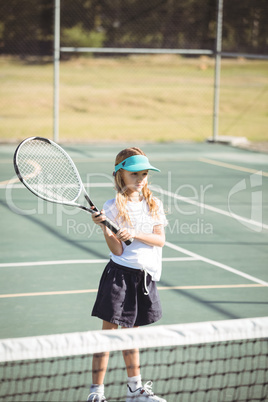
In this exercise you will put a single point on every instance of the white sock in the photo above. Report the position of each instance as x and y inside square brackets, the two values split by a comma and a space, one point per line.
[134, 382]
[97, 388]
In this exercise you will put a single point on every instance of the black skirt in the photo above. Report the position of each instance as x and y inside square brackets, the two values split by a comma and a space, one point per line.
[127, 297]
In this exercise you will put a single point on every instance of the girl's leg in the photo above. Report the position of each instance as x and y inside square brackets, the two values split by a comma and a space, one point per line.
[100, 360]
[132, 362]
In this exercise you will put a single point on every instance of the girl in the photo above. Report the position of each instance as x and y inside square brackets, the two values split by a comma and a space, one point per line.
[127, 294]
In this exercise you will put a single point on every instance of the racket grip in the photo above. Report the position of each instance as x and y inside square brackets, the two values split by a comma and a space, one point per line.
[114, 228]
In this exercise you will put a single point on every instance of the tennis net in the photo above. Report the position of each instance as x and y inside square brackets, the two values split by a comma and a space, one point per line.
[210, 361]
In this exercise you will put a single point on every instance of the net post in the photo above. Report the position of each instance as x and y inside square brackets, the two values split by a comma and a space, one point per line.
[217, 71]
[56, 70]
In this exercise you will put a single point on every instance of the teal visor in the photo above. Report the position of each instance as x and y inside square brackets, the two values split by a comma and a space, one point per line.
[136, 163]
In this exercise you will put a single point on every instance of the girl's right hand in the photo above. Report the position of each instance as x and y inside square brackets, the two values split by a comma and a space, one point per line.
[113, 243]
[98, 217]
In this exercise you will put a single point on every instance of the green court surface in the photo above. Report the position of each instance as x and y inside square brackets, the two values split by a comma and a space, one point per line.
[214, 260]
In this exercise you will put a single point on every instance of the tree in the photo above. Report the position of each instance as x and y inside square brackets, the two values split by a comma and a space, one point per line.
[26, 26]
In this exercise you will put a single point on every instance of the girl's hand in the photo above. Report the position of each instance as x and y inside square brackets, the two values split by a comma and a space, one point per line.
[98, 217]
[112, 241]
[124, 234]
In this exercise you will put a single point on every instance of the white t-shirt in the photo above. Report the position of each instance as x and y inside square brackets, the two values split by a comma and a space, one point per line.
[139, 255]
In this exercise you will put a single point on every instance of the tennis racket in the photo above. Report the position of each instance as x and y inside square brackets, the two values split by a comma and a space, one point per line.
[49, 173]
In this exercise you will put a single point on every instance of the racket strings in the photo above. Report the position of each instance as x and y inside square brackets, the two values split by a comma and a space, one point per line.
[48, 171]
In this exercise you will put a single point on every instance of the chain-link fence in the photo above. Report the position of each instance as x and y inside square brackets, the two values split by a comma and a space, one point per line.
[133, 96]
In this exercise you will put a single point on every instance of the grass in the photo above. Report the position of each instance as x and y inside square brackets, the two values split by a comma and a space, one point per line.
[151, 98]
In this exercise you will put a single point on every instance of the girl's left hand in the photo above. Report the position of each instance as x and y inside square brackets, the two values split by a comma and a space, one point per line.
[124, 235]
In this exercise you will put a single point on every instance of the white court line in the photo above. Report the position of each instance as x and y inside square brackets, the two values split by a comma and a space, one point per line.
[69, 292]
[217, 264]
[179, 259]
[209, 207]
[17, 184]
[179, 197]
[57, 262]
[69, 262]
[233, 167]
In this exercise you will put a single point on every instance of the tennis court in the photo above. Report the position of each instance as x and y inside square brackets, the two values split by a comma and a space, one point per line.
[214, 268]
[214, 261]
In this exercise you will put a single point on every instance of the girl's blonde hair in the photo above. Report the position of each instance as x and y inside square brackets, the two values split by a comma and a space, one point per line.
[121, 195]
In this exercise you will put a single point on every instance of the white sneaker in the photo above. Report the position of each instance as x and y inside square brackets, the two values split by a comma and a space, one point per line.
[95, 397]
[143, 394]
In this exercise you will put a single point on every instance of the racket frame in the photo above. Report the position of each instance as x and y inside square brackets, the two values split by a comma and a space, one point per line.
[110, 224]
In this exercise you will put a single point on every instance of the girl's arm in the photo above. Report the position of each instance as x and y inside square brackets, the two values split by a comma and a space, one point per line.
[157, 238]
[112, 241]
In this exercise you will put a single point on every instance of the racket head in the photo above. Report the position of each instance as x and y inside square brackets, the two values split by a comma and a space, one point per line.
[47, 171]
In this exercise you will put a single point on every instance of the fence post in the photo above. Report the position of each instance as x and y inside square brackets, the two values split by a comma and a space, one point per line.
[217, 71]
[56, 70]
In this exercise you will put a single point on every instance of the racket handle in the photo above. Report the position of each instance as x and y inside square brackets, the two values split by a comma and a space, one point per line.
[110, 224]
[114, 228]
[128, 242]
